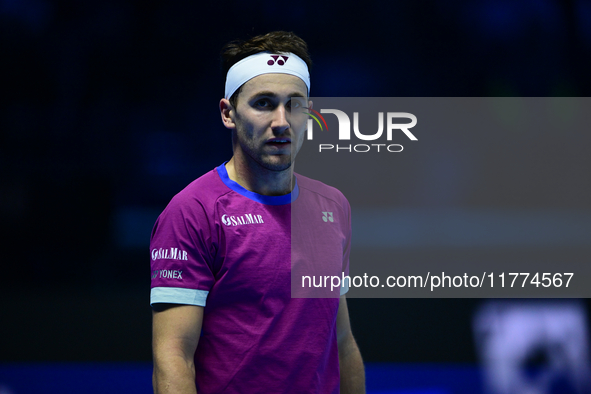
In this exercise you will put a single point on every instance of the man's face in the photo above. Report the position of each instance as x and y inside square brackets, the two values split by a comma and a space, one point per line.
[269, 120]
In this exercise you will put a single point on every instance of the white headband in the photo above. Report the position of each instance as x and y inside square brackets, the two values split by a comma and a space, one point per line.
[265, 63]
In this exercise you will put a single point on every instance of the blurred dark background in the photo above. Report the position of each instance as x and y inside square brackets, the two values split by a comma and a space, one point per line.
[109, 108]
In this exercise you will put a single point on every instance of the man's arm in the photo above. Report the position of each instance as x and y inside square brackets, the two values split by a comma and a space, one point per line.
[351, 364]
[175, 334]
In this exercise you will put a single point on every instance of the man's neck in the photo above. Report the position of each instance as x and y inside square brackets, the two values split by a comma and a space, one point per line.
[260, 180]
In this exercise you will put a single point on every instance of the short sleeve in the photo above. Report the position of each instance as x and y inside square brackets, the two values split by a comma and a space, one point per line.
[181, 254]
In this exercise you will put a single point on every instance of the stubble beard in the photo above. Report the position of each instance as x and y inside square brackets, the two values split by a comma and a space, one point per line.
[275, 163]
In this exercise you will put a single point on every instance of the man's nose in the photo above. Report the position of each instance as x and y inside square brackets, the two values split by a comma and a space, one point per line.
[280, 121]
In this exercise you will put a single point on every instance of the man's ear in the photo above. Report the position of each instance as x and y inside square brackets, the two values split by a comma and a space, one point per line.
[310, 103]
[227, 113]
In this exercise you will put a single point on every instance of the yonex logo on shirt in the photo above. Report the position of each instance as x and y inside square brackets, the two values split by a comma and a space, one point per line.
[327, 216]
[247, 218]
[167, 274]
[169, 254]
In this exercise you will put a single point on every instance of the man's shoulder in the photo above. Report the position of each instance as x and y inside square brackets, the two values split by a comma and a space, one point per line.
[203, 191]
[193, 207]
[321, 189]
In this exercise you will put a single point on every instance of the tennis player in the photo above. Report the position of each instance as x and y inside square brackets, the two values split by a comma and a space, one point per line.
[224, 319]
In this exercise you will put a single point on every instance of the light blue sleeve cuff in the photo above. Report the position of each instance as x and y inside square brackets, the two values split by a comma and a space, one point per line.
[344, 287]
[178, 295]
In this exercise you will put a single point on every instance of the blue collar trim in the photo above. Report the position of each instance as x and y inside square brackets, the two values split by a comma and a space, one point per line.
[267, 200]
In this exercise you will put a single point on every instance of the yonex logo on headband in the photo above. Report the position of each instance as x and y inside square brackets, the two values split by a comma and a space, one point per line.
[279, 62]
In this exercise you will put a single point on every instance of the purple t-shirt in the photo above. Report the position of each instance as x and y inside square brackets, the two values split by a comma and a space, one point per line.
[228, 249]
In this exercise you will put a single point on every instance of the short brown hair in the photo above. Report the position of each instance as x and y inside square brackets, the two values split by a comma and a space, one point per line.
[274, 42]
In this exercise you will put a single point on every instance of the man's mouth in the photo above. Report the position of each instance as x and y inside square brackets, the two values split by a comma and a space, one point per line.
[279, 142]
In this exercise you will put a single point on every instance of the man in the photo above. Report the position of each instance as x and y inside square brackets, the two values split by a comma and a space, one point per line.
[224, 319]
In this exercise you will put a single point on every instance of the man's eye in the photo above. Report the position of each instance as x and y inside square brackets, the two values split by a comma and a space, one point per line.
[262, 103]
[295, 104]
